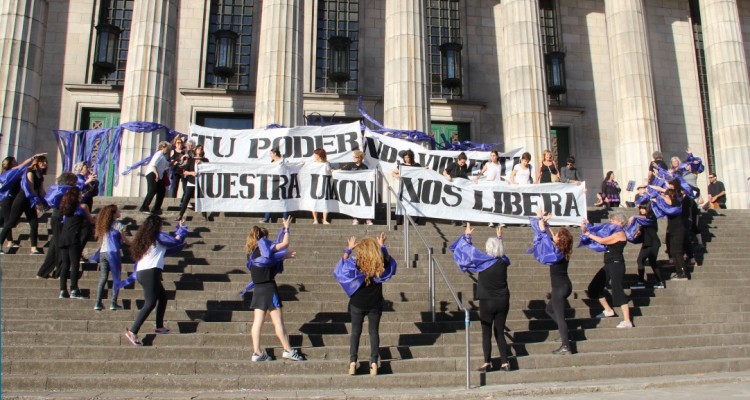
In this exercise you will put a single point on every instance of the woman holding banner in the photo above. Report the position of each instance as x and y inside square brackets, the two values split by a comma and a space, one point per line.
[521, 173]
[362, 276]
[320, 156]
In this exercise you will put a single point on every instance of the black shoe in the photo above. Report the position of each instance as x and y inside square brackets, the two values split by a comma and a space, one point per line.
[157, 212]
[562, 350]
[64, 294]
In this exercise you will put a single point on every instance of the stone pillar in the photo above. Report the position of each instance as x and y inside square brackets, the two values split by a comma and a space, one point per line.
[729, 89]
[632, 88]
[278, 97]
[148, 93]
[523, 89]
[406, 90]
[23, 26]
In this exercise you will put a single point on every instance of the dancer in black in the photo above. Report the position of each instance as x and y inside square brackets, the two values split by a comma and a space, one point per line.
[677, 226]
[51, 264]
[492, 289]
[554, 250]
[189, 174]
[29, 203]
[362, 276]
[613, 270]
[650, 248]
[74, 216]
[10, 186]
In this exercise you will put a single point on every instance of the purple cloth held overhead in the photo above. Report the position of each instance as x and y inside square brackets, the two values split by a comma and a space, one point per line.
[469, 258]
[602, 230]
[542, 246]
[269, 258]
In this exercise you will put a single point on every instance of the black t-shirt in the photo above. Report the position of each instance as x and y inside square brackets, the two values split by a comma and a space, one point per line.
[650, 236]
[493, 281]
[368, 297]
[614, 252]
[190, 166]
[457, 171]
[354, 167]
[261, 275]
[71, 231]
[716, 188]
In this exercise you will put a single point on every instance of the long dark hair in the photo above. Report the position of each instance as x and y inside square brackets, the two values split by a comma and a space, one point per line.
[70, 201]
[8, 163]
[145, 236]
[609, 174]
[104, 221]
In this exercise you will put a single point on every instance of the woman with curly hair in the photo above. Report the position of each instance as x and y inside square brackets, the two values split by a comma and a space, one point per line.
[362, 276]
[265, 260]
[74, 216]
[554, 250]
[492, 289]
[111, 236]
[149, 246]
[29, 201]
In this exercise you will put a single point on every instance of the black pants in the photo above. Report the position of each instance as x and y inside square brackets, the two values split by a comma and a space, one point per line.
[650, 254]
[5, 214]
[51, 257]
[614, 273]
[155, 296]
[187, 195]
[70, 257]
[492, 316]
[154, 188]
[556, 309]
[21, 205]
[373, 325]
[676, 250]
[178, 180]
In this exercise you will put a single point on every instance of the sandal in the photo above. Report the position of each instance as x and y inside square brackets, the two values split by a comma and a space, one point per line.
[133, 338]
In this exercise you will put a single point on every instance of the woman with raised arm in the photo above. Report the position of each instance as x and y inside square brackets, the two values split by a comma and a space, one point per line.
[111, 235]
[29, 201]
[554, 250]
[148, 249]
[362, 276]
[265, 260]
[10, 186]
[609, 238]
[492, 289]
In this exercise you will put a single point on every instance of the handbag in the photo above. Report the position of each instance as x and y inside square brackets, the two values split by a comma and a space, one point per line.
[553, 177]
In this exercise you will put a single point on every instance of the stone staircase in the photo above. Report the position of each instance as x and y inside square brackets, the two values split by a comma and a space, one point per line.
[54, 345]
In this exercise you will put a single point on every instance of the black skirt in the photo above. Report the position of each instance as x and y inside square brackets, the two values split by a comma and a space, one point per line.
[265, 297]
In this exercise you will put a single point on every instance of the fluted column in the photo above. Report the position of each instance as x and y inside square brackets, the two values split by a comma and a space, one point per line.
[23, 26]
[406, 93]
[279, 90]
[522, 87]
[632, 88]
[148, 93]
[729, 89]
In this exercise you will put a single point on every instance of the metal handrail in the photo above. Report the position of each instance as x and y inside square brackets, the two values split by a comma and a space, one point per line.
[431, 263]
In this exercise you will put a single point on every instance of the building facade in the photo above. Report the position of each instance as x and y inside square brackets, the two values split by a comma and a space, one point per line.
[609, 81]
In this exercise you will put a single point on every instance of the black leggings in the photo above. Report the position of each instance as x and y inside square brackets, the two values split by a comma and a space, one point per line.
[187, 195]
[373, 324]
[155, 296]
[5, 206]
[556, 309]
[650, 254]
[492, 315]
[676, 247]
[156, 188]
[614, 273]
[70, 257]
[21, 205]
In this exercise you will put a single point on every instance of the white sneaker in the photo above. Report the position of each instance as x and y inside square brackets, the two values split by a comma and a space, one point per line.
[260, 357]
[355, 222]
[292, 355]
[625, 324]
[368, 222]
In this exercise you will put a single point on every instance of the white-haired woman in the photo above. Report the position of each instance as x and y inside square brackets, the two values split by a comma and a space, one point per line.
[492, 289]
[613, 270]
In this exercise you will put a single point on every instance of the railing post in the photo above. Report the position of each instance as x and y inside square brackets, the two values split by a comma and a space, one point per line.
[431, 280]
[406, 240]
[388, 195]
[468, 346]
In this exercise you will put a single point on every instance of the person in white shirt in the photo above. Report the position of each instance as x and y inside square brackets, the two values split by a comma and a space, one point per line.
[522, 172]
[157, 169]
[149, 246]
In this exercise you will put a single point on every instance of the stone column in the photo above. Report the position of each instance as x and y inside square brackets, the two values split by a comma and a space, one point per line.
[23, 26]
[729, 89]
[278, 98]
[406, 91]
[522, 87]
[148, 93]
[632, 88]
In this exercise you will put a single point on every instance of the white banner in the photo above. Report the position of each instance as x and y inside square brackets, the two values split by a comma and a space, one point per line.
[427, 193]
[295, 144]
[383, 150]
[265, 187]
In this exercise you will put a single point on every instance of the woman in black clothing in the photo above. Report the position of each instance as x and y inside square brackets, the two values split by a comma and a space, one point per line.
[677, 226]
[74, 216]
[554, 250]
[492, 289]
[189, 175]
[650, 247]
[175, 162]
[22, 203]
[362, 278]
[613, 271]
[548, 172]
[9, 193]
